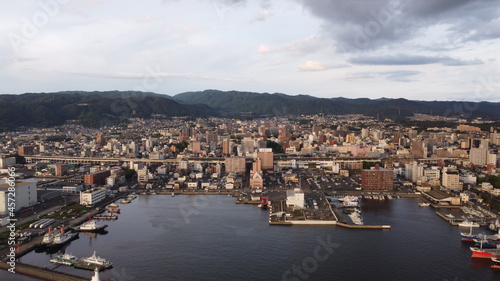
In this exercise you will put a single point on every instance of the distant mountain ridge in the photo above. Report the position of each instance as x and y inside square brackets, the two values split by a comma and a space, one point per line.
[88, 108]
[109, 107]
[281, 104]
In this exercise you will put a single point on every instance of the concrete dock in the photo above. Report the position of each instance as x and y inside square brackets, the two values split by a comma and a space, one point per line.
[323, 223]
[42, 273]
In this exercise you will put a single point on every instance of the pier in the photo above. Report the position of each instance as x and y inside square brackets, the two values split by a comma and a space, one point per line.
[456, 221]
[323, 223]
[42, 273]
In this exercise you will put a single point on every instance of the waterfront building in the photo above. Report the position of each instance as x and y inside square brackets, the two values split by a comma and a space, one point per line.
[92, 196]
[451, 179]
[25, 196]
[98, 178]
[295, 198]
[377, 179]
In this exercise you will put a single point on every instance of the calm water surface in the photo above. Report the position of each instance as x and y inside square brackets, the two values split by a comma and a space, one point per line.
[211, 238]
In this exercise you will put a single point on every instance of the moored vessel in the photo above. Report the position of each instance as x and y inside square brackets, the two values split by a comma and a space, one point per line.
[484, 253]
[90, 226]
[98, 261]
[467, 223]
[64, 259]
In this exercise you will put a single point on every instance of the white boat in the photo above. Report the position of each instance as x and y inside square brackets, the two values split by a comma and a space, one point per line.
[467, 223]
[450, 216]
[94, 259]
[424, 204]
[47, 238]
[65, 259]
[350, 204]
[389, 197]
[356, 218]
[62, 238]
[173, 194]
[90, 226]
[348, 198]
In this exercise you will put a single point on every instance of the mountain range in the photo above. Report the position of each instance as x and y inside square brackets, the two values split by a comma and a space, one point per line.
[103, 108]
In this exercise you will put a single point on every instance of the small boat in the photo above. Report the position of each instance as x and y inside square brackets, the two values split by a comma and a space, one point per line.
[113, 210]
[496, 263]
[65, 259]
[424, 204]
[173, 194]
[106, 217]
[356, 218]
[90, 226]
[495, 225]
[450, 216]
[467, 223]
[113, 205]
[125, 202]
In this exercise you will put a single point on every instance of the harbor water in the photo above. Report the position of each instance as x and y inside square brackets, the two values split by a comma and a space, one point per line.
[211, 238]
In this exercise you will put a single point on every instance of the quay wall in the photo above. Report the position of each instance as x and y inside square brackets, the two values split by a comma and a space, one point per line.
[42, 273]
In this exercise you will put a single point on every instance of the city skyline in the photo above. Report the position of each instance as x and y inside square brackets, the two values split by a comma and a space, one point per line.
[444, 50]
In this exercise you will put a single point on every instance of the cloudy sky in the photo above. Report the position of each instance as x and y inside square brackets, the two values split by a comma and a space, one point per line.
[423, 50]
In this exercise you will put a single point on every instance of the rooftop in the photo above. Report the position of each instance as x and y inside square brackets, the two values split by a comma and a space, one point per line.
[6, 186]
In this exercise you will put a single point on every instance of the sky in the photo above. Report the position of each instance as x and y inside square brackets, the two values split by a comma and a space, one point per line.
[419, 50]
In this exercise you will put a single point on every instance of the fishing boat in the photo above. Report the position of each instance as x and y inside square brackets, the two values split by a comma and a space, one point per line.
[113, 205]
[484, 243]
[469, 237]
[64, 259]
[113, 210]
[479, 252]
[125, 202]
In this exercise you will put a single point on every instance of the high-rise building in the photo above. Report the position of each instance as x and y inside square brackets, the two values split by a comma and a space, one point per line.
[60, 169]
[350, 138]
[98, 178]
[451, 179]
[195, 146]
[235, 165]
[267, 157]
[226, 145]
[377, 179]
[478, 154]
[418, 149]
[365, 133]
[414, 171]
[25, 194]
[100, 139]
[247, 146]
[26, 150]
